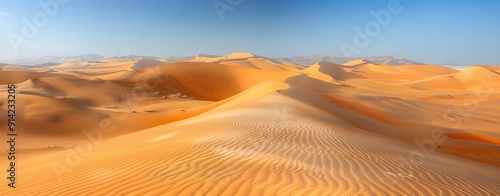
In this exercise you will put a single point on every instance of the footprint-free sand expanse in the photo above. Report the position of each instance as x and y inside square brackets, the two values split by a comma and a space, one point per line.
[245, 125]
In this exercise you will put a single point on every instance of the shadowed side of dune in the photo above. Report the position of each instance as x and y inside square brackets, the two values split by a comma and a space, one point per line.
[207, 81]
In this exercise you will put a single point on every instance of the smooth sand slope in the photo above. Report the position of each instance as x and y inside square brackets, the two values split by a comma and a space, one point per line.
[244, 125]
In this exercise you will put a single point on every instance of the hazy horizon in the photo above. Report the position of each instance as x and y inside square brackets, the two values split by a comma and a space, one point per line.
[426, 31]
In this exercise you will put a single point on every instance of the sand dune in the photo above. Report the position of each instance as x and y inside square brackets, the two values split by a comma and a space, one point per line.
[12, 77]
[249, 61]
[329, 72]
[232, 56]
[478, 75]
[208, 81]
[475, 78]
[286, 152]
[144, 63]
[242, 124]
[360, 62]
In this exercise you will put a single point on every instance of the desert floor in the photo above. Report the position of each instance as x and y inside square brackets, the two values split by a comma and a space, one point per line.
[245, 125]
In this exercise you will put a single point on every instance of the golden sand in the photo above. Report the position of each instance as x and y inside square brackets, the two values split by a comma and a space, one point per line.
[245, 125]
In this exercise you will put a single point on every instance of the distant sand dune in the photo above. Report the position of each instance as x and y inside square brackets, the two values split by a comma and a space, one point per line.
[476, 78]
[9, 77]
[210, 81]
[144, 63]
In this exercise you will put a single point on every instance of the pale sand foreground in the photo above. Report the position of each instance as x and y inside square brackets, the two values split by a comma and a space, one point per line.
[244, 125]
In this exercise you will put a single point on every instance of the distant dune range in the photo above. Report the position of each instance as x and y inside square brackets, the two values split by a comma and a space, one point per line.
[245, 124]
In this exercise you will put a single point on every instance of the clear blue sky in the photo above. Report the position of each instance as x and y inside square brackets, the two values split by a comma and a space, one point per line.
[459, 31]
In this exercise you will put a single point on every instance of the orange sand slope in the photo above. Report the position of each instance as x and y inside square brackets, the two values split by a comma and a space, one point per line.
[245, 125]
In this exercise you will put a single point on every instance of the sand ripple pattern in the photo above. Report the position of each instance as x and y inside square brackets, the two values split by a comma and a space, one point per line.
[269, 146]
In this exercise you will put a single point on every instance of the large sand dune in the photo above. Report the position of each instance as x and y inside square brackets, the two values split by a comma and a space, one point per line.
[242, 124]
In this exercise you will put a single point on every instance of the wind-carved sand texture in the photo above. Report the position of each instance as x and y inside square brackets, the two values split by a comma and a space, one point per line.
[245, 125]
